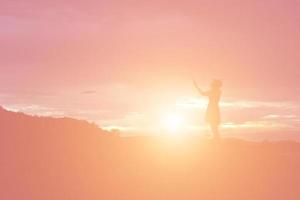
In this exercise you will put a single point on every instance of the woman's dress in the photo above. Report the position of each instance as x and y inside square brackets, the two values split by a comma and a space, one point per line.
[212, 116]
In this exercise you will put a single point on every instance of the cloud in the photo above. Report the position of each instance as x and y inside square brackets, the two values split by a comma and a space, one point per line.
[271, 116]
[37, 110]
[260, 104]
[200, 103]
[276, 116]
[89, 92]
[257, 125]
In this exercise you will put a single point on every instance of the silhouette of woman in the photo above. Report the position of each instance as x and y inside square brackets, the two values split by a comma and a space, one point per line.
[213, 111]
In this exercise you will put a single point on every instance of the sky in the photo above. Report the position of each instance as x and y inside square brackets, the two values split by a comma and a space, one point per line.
[127, 64]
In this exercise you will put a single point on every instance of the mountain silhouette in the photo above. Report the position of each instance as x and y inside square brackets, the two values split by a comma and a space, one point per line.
[47, 158]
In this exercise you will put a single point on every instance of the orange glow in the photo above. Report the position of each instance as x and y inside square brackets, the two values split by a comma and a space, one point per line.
[173, 124]
[150, 100]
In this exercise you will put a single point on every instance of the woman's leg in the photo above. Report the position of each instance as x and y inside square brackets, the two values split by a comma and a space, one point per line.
[215, 131]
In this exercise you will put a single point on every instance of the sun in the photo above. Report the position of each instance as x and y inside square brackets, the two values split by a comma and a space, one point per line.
[173, 123]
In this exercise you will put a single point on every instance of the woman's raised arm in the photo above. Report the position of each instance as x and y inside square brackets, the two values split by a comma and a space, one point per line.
[204, 93]
[199, 90]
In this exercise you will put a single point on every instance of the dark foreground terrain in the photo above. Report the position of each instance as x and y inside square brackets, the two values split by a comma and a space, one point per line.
[65, 159]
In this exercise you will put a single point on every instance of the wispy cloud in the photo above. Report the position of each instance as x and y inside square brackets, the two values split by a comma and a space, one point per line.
[260, 104]
[200, 103]
[35, 110]
[89, 92]
[257, 125]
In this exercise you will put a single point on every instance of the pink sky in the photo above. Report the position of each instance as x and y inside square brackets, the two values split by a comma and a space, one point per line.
[123, 63]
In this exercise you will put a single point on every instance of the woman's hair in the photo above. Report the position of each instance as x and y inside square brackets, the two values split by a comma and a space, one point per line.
[216, 83]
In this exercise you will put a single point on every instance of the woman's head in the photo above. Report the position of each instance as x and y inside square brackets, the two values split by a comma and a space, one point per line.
[216, 84]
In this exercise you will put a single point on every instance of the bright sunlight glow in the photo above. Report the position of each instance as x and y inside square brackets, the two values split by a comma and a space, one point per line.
[173, 123]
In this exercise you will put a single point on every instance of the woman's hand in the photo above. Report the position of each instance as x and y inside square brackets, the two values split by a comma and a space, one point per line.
[197, 87]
